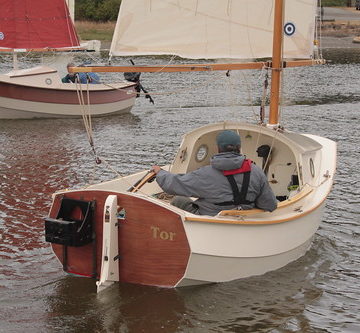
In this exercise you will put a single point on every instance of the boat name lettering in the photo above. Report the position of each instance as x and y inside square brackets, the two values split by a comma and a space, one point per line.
[162, 234]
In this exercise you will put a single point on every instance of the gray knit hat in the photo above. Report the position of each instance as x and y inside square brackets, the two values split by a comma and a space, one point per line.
[227, 138]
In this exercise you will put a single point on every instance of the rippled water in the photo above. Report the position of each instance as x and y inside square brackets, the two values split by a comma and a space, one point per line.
[317, 293]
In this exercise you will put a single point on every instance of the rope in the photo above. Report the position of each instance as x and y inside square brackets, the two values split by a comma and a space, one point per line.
[318, 35]
[265, 165]
[86, 114]
[263, 98]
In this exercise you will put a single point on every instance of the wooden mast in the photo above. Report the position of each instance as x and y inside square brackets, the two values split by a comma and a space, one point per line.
[276, 62]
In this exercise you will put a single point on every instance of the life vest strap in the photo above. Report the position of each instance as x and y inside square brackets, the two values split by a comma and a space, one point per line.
[239, 196]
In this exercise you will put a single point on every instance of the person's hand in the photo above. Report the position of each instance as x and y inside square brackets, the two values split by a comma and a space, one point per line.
[155, 168]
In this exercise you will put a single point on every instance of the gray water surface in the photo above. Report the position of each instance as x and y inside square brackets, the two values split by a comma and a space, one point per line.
[320, 292]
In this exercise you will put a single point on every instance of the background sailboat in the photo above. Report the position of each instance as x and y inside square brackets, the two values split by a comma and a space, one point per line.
[41, 26]
[140, 237]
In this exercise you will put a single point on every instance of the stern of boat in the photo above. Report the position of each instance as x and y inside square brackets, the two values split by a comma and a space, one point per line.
[131, 238]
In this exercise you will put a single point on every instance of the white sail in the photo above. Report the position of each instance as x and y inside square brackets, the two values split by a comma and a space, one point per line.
[212, 29]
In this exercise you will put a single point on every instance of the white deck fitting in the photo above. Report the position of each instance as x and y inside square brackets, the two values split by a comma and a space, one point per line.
[109, 261]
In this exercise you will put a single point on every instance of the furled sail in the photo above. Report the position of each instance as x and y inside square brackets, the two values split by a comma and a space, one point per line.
[36, 24]
[212, 29]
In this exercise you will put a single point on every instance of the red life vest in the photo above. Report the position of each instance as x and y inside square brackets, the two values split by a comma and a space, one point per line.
[245, 167]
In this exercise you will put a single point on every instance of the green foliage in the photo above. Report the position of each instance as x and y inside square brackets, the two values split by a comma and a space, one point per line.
[332, 3]
[107, 10]
[97, 10]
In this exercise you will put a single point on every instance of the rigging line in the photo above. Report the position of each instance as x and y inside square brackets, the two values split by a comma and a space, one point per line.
[263, 98]
[89, 106]
[168, 64]
[258, 137]
[112, 169]
[70, 31]
[229, 5]
[271, 148]
[92, 177]
[318, 30]
[227, 86]
[158, 71]
[281, 87]
[80, 95]
[250, 100]
[281, 101]
[326, 178]
[260, 133]
[185, 90]
[120, 176]
[87, 120]
[264, 69]
[231, 92]
[81, 102]
[109, 167]
[86, 115]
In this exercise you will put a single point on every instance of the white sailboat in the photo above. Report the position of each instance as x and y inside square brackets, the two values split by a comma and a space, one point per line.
[141, 238]
[38, 92]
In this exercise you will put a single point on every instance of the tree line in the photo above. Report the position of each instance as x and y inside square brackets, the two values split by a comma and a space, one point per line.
[107, 10]
[97, 10]
[339, 3]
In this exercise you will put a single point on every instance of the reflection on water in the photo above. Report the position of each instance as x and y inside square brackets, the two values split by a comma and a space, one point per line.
[121, 308]
[317, 293]
[251, 305]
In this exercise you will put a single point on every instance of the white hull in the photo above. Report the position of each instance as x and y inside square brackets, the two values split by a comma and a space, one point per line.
[224, 269]
[248, 251]
[39, 93]
[197, 249]
[15, 109]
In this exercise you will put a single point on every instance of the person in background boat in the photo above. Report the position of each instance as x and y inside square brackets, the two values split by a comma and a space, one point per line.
[230, 182]
[92, 78]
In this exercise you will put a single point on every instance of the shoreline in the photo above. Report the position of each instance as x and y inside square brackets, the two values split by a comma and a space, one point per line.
[340, 34]
[334, 33]
[327, 41]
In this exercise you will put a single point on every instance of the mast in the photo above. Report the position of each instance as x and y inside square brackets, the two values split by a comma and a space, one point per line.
[276, 62]
[132, 40]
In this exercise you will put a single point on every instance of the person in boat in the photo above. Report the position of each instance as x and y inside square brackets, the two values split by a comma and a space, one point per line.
[230, 182]
[92, 78]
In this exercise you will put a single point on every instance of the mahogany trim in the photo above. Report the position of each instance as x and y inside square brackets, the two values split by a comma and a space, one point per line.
[234, 212]
[265, 222]
[153, 245]
[62, 96]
